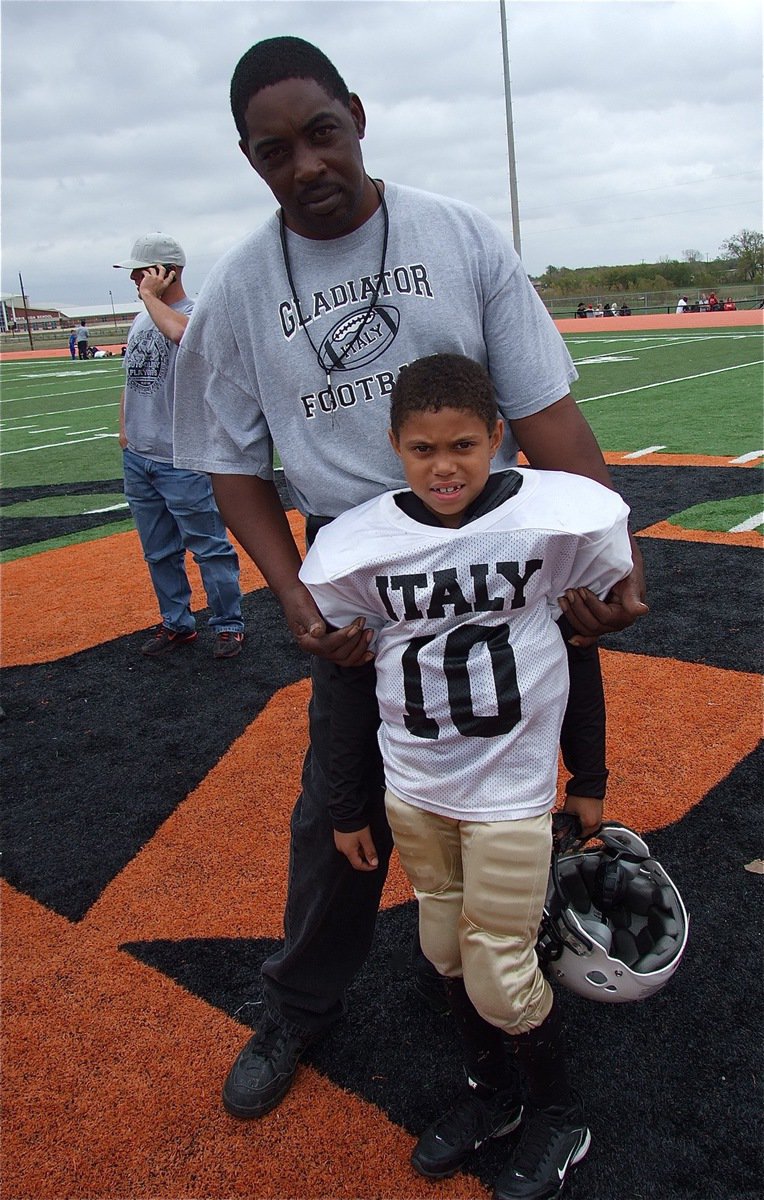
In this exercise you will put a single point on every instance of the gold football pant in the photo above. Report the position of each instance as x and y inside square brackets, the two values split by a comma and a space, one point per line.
[481, 889]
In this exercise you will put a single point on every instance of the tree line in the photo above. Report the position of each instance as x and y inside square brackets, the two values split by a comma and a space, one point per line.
[740, 261]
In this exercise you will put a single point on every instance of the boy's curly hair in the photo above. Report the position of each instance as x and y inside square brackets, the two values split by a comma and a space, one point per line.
[443, 381]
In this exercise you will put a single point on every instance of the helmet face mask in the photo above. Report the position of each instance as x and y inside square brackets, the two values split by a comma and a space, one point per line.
[614, 926]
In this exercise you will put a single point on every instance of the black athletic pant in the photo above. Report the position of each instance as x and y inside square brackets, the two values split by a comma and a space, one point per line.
[331, 909]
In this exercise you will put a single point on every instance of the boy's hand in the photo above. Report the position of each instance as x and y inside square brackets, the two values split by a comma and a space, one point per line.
[588, 811]
[358, 848]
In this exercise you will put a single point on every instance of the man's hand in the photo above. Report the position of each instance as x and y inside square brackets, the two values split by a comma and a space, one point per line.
[623, 605]
[591, 617]
[348, 647]
[155, 282]
[358, 848]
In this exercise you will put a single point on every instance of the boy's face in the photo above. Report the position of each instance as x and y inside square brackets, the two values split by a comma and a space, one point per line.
[446, 459]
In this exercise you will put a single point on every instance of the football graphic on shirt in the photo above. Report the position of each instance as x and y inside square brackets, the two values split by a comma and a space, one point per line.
[359, 338]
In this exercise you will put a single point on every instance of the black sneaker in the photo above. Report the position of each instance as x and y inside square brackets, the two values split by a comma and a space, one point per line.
[163, 639]
[430, 989]
[480, 1114]
[228, 645]
[264, 1071]
[552, 1141]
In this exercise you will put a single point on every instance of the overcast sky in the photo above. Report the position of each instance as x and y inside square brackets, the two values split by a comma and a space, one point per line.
[637, 124]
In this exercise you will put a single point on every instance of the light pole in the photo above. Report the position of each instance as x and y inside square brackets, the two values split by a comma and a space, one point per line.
[26, 313]
[510, 134]
[114, 315]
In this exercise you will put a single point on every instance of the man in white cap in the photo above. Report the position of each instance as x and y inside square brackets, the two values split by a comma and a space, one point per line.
[174, 510]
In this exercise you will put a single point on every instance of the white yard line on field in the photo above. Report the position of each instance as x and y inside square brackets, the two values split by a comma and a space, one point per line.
[55, 445]
[55, 395]
[62, 412]
[749, 525]
[751, 457]
[89, 512]
[655, 341]
[36, 429]
[666, 382]
[642, 453]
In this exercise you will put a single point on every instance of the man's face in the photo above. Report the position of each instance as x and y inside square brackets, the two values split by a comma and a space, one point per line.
[137, 276]
[306, 146]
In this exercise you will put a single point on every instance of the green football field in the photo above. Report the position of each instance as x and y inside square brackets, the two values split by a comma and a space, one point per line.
[688, 393]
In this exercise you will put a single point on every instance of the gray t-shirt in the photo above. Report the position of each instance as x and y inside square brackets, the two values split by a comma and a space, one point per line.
[248, 377]
[150, 385]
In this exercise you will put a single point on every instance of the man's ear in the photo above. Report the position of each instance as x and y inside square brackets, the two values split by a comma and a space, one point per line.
[358, 115]
[394, 442]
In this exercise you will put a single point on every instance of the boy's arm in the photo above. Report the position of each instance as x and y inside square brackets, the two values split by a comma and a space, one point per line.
[353, 714]
[353, 725]
[582, 739]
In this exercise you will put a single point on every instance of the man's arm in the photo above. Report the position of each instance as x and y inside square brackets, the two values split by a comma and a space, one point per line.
[168, 320]
[252, 510]
[559, 439]
[122, 434]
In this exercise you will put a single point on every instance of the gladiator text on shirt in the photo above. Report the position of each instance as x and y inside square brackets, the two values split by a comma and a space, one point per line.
[404, 280]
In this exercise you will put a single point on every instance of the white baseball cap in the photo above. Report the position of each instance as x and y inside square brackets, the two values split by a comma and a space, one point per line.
[154, 248]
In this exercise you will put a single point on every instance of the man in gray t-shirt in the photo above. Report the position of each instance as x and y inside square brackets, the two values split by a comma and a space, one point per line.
[81, 337]
[295, 341]
[174, 509]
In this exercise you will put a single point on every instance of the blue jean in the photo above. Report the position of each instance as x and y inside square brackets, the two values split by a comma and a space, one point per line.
[174, 511]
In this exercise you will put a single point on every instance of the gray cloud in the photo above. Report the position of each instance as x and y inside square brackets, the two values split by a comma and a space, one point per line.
[637, 124]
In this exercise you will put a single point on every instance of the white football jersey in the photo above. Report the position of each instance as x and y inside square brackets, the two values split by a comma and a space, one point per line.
[472, 676]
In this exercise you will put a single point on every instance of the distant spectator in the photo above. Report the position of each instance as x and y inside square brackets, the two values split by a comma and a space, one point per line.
[81, 334]
[123, 351]
[703, 302]
[681, 304]
[580, 311]
[101, 353]
[730, 305]
[624, 310]
[12, 325]
[713, 303]
[589, 311]
[607, 310]
[174, 510]
[73, 344]
[599, 311]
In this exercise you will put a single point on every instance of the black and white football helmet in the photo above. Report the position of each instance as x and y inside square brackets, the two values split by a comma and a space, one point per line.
[614, 927]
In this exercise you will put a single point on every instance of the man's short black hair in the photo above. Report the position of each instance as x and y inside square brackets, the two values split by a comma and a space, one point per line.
[443, 381]
[274, 60]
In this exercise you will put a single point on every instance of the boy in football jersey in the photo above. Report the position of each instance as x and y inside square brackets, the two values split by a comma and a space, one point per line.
[458, 578]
